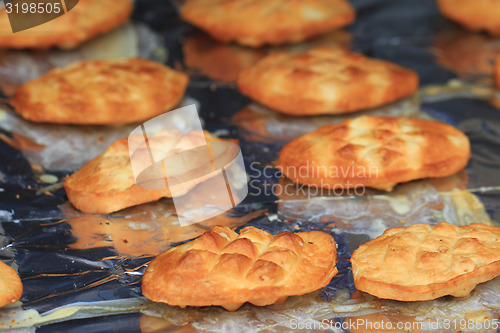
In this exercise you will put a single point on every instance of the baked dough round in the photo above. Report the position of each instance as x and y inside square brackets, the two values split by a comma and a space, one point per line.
[88, 19]
[475, 15]
[106, 184]
[325, 81]
[259, 22]
[101, 92]
[224, 268]
[11, 288]
[376, 152]
[423, 262]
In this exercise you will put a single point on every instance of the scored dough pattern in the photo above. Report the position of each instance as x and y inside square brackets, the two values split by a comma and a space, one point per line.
[230, 269]
[423, 259]
[325, 80]
[378, 152]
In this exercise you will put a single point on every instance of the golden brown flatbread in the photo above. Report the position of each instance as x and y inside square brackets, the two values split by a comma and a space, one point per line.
[325, 81]
[101, 92]
[11, 288]
[376, 152]
[259, 22]
[474, 15]
[88, 19]
[227, 269]
[107, 184]
[423, 262]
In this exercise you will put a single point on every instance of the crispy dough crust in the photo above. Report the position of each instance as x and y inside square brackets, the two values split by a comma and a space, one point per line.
[227, 269]
[423, 262]
[325, 81]
[259, 22]
[107, 184]
[376, 152]
[87, 20]
[11, 288]
[101, 92]
[474, 15]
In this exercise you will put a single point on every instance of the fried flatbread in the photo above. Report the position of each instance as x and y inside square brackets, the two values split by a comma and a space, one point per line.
[325, 81]
[273, 22]
[107, 184]
[474, 15]
[423, 262]
[11, 288]
[88, 19]
[99, 92]
[376, 152]
[227, 269]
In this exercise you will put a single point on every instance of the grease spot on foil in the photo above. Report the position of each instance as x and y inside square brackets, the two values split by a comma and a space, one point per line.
[49, 179]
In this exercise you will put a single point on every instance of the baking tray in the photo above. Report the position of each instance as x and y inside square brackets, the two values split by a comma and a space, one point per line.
[82, 273]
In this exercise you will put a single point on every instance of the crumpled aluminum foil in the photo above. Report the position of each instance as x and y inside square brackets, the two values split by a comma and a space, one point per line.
[86, 267]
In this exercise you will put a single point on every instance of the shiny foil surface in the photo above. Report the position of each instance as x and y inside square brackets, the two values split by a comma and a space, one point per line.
[82, 272]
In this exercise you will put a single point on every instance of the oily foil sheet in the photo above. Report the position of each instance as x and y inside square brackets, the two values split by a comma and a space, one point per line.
[82, 272]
